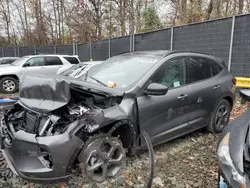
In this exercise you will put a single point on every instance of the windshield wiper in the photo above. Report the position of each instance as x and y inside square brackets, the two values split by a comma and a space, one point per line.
[100, 82]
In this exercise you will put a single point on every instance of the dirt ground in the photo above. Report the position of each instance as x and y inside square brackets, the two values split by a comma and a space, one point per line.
[187, 162]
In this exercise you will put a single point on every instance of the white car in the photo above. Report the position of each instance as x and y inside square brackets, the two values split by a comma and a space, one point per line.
[35, 64]
[7, 60]
[78, 70]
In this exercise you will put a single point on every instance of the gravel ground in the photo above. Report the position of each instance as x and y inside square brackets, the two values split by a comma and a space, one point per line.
[187, 162]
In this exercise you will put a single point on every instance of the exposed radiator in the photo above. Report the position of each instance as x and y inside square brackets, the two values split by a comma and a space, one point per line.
[32, 121]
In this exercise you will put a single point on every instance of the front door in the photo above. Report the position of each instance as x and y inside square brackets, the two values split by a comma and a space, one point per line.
[34, 65]
[160, 116]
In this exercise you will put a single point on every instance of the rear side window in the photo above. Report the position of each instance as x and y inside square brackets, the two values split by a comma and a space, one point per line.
[198, 69]
[72, 60]
[224, 64]
[216, 69]
[52, 60]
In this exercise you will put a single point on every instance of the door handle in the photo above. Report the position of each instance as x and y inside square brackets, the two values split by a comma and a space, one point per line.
[217, 87]
[182, 97]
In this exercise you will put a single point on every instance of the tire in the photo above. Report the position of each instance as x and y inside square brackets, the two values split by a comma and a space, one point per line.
[11, 88]
[98, 148]
[217, 123]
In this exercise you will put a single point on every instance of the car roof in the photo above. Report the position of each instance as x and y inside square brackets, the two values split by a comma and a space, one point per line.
[59, 55]
[9, 57]
[91, 62]
[152, 53]
[160, 53]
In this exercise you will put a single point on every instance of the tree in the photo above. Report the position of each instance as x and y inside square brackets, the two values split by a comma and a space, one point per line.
[241, 5]
[122, 5]
[5, 14]
[97, 13]
[183, 9]
[151, 20]
[209, 10]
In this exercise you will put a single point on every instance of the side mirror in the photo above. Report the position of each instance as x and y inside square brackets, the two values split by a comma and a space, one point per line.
[26, 65]
[156, 89]
[245, 95]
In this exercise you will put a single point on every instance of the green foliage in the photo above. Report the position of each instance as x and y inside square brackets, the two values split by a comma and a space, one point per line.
[151, 20]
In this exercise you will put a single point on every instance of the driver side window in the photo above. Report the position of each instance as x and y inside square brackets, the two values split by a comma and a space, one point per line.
[34, 62]
[171, 74]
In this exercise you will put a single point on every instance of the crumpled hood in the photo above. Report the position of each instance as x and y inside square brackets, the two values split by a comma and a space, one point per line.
[42, 93]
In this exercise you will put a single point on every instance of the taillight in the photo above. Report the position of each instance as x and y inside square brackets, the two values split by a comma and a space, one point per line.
[234, 80]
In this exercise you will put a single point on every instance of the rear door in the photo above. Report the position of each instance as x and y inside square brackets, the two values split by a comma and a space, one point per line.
[203, 77]
[52, 64]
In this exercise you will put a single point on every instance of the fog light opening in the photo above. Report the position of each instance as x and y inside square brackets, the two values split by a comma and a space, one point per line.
[45, 157]
[47, 161]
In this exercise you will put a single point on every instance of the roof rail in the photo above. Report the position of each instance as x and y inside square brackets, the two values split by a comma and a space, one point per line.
[52, 54]
[183, 51]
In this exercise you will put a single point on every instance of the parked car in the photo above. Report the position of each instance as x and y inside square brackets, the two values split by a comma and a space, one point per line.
[35, 64]
[7, 60]
[234, 150]
[95, 119]
[77, 70]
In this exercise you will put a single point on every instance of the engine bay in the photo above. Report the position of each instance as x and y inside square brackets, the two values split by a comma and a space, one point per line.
[82, 105]
[54, 123]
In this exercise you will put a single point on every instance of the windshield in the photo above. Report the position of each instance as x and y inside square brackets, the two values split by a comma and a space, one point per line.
[19, 61]
[75, 71]
[120, 71]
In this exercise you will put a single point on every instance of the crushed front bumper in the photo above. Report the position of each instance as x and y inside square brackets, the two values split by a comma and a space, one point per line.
[225, 179]
[41, 159]
[222, 183]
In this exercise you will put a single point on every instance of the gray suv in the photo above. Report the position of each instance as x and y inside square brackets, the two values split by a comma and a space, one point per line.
[95, 119]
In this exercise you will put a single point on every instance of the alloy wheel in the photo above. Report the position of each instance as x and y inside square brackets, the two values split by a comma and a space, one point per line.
[8, 85]
[222, 115]
[104, 159]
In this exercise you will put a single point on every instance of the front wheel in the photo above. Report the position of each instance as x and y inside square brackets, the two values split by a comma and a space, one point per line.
[8, 85]
[220, 117]
[102, 158]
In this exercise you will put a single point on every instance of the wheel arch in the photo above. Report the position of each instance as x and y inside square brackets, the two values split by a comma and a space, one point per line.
[10, 75]
[125, 129]
[114, 129]
[229, 100]
[228, 97]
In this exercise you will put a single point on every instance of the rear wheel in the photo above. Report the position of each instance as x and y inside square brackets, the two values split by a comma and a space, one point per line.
[220, 117]
[8, 85]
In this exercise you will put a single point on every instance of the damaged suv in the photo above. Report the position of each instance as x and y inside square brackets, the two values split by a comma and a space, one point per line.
[93, 121]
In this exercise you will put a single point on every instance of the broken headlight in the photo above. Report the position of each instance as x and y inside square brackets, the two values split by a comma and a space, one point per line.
[231, 173]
